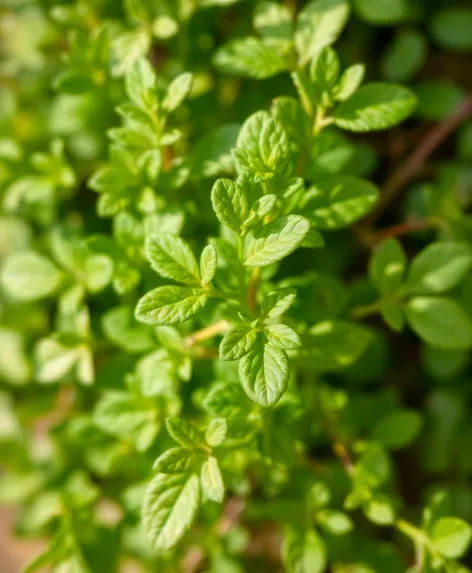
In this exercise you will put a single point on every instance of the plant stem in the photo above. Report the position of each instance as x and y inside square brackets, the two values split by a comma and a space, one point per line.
[366, 310]
[253, 286]
[413, 164]
[404, 228]
[206, 333]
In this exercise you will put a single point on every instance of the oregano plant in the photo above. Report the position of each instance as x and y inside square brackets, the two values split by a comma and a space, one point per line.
[236, 313]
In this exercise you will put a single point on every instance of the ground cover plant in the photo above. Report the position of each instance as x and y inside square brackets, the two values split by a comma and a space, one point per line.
[236, 284]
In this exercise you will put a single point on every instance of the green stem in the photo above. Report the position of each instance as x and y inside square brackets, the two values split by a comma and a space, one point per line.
[366, 310]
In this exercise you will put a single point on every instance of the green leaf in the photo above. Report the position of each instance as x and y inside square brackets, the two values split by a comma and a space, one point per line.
[375, 106]
[324, 70]
[176, 461]
[439, 267]
[171, 257]
[335, 522]
[278, 302]
[29, 276]
[169, 509]
[282, 336]
[373, 467]
[451, 536]
[97, 272]
[393, 314]
[216, 432]
[237, 342]
[208, 261]
[405, 56]
[119, 415]
[121, 328]
[259, 210]
[450, 28]
[273, 20]
[264, 373]
[169, 305]
[438, 98]
[349, 82]
[382, 12]
[276, 240]
[440, 322]
[333, 345]
[212, 481]
[177, 92]
[303, 551]
[319, 24]
[387, 266]
[339, 201]
[251, 57]
[141, 83]
[229, 203]
[184, 433]
[398, 429]
[379, 509]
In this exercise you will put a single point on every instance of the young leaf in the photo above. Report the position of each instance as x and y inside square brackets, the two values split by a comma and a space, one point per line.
[176, 461]
[273, 20]
[339, 201]
[264, 373]
[319, 24]
[177, 92]
[277, 302]
[229, 203]
[282, 336]
[29, 276]
[216, 432]
[439, 267]
[440, 322]
[451, 536]
[237, 342]
[169, 305]
[211, 480]
[169, 508]
[335, 522]
[208, 261]
[171, 257]
[184, 433]
[387, 266]
[375, 106]
[349, 82]
[379, 509]
[275, 240]
[303, 551]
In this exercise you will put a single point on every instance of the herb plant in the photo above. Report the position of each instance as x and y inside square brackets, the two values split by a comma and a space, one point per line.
[229, 343]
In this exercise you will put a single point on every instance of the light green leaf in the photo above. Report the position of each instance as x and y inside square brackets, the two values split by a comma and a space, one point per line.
[278, 301]
[121, 328]
[379, 509]
[375, 106]
[335, 522]
[29, 276]
[251, 57]
[339, 201]
[97, 272]
[216, 432]
[303, 551]
[387, 266]
[373, 467]
[319, 24]
[275, 240]
[208, 261]
[169, 509]
[184, 433]
[451, 536]
[237, 342]
[282, 336]
[178, 91]
[264, 373]
[169, 305]
[171, 257]
[349, 82]
[324, 70]
[439, 267]
[273, 20]
[440, 322]
[398, 429]
[229, 203]
[212, 481]
[259, 210]
[176, 461]
[140, 83]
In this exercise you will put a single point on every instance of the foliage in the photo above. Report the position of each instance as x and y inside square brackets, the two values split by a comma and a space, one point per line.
[219, 351]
